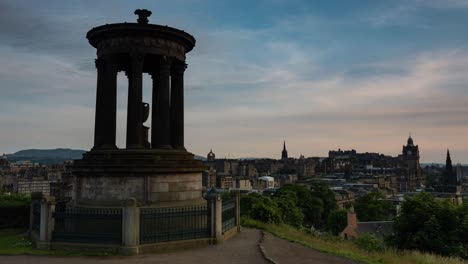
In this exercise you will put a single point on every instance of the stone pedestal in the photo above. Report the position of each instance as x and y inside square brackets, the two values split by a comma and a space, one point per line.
[109, 177]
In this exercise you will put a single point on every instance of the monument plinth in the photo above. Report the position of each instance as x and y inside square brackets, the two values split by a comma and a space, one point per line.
[155, 169]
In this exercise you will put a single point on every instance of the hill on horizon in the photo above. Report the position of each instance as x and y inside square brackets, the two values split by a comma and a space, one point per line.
[47, 156]
[53, 156]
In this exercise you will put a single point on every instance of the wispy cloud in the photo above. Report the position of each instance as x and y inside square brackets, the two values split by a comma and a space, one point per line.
[344, 79]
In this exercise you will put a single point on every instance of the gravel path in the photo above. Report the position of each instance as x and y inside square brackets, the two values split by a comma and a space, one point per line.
[281, 251]
[241, 249]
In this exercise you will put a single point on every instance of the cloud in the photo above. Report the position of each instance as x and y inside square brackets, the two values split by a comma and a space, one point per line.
[317, 80]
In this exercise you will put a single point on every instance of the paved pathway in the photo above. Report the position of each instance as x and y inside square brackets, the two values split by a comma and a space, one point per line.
[241, 249]
[282, 252]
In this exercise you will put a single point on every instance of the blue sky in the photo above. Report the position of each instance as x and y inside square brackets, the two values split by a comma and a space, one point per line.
[319, 74]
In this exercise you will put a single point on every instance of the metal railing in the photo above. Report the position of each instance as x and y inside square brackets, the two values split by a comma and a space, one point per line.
[92, 225]
[228, 215]
[170, 224]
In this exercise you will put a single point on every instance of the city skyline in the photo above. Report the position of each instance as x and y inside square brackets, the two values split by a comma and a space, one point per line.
[321, 76]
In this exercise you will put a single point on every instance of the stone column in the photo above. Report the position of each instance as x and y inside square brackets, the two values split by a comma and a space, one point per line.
[160, 134]
[111, 103]
[177, 105]
[36, 197]
[237, 197]
[47, 222]
[106, 104]
[155, 123]
[135, 99]
[100, 107]
[215, 207]
[219, 219]
[131, 228]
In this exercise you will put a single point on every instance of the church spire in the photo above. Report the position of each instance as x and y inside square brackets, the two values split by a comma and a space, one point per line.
[450, 178]
[284, 153]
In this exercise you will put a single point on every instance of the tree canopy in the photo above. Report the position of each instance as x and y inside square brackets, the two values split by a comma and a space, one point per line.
[374, 207]
[295, 205]
[427, 224]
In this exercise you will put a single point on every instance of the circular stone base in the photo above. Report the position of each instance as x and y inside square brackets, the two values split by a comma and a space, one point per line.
[151, 177]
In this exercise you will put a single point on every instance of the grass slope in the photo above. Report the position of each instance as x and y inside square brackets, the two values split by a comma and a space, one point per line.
[348, 249]
[15, 242]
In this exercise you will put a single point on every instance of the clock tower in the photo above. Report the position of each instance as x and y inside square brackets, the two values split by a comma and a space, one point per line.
[412, 178]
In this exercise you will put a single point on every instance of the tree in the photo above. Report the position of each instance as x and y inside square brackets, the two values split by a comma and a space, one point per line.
[322, 191]
[290, 213]
[374, 207]
[337, 221]
[427, 224]
[267, 212]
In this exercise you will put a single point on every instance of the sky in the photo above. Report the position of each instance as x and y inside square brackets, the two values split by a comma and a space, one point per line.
[320, 75]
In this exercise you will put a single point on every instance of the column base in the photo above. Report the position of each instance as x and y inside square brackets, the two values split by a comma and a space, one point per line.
[163, 147]
[129, 250]
[43, 245]
[109, 146]
[135, 146]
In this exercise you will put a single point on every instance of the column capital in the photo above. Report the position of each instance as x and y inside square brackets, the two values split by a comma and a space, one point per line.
[178, 67]
[99, 63]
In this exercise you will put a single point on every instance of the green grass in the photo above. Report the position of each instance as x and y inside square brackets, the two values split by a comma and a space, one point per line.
[15, 242]
[347, 249]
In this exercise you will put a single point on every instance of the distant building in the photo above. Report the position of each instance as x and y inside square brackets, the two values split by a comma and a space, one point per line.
[284, 153]
[211, 156]
[28, 187]
[224, 181]
[265, 182]
[209, 179]
[450, 177]
[243, 184]
[413, 177]
[450, 186]
[354, 228]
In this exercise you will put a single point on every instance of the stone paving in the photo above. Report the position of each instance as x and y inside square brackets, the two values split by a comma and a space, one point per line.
[241, 249]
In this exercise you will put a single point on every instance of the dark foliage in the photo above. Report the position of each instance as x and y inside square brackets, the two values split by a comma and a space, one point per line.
[430, 225]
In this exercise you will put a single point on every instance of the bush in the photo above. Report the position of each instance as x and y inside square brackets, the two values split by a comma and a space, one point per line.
[14, 200]
[268, 213]
[337, 221]
[370, 243]
[14, 210]
[290, 213]
[14, 217]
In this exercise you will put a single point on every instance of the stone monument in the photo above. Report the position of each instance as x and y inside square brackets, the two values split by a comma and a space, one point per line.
[154, 169]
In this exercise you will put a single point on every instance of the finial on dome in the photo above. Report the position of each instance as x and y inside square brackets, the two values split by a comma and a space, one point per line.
[143, 15]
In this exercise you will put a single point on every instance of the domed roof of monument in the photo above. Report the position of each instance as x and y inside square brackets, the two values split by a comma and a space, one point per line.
[140, 29]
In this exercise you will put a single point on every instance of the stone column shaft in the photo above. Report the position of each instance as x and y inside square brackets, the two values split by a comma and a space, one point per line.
[155, 123]
[135, 99]
[106, 105]
[100, 93]
[177, 105]
[161, 127]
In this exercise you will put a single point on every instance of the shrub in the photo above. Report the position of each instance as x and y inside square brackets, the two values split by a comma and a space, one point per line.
[370, 243]
[268, 213]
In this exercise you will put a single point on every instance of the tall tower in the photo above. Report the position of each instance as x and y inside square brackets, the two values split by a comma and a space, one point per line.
[412, 179]
[450, 177]
[211, 156]
[284, 153]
